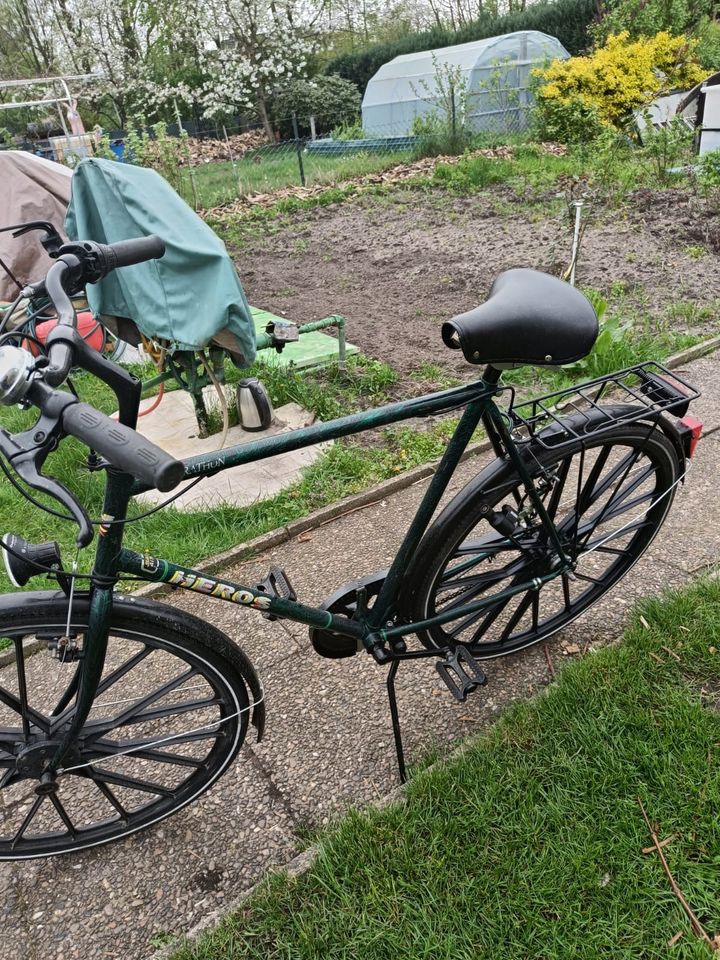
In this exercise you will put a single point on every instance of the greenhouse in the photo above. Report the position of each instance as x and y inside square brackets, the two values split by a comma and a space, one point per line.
[495, 74]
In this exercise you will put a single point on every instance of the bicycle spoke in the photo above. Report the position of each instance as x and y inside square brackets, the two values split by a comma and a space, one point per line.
[494, 612]
[15, 704]
[520, 611]
[107, 793]
[141, 751]
[566, 592]
[559, 487]
[62, 813]
[477, 583]
[622, 508]
[587, 577]
[619, 504]
[122, 671]
[132, 783]
[615, 551]
[22, 686]
[59, 719]
[28, 820]
[619, 473]
[607, 537]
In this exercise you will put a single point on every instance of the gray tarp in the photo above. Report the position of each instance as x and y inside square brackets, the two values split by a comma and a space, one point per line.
[32, 189]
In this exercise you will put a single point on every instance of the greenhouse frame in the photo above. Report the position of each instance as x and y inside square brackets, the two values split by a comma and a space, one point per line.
[495, 73]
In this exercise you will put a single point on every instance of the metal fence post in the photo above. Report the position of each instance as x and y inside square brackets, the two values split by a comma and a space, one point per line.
[298, 147]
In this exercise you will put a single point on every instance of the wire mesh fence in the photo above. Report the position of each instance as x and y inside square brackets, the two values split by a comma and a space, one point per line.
[216, 163]
[225, 163]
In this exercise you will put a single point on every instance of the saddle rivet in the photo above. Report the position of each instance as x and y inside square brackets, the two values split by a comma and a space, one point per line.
[548, 358]
[476, 355]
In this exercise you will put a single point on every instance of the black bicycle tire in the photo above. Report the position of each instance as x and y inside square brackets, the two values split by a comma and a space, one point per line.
[467, 509]
[174, 631]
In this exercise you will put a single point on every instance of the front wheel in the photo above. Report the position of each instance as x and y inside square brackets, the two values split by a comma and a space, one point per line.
[607, 497]
[170, 715]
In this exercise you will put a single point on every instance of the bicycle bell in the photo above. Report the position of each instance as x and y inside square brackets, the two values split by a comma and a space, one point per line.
[16, 367]
[255, 410]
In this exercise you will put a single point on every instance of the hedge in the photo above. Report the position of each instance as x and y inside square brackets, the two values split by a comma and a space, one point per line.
[568, 20]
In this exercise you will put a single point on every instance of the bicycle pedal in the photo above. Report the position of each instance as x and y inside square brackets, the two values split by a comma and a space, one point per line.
[461, 673]
[276, 584]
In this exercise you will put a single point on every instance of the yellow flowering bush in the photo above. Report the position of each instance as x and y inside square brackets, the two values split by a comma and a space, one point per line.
[619, 77]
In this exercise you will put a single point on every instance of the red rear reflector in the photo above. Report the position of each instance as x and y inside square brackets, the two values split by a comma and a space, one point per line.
[691, 431]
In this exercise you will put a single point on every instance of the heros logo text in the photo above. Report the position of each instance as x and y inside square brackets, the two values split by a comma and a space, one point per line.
[224, 591]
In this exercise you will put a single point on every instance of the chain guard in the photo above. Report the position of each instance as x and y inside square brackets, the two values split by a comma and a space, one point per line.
[343, 603]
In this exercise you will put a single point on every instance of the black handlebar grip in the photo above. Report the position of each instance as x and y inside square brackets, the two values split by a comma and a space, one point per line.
[125, 253]
[123, 447]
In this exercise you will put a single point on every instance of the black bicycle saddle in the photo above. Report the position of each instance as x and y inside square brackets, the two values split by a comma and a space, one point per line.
[528, 318]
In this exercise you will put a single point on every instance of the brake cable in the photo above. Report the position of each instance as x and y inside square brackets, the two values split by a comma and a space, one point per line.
[101, 522]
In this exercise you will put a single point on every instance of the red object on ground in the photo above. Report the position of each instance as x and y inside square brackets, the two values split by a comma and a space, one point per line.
[88, 328]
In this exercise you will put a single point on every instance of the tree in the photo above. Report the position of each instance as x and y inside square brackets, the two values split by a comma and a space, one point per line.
[254, 45]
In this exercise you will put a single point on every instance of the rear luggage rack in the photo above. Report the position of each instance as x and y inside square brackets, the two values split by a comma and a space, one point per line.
[575, 413]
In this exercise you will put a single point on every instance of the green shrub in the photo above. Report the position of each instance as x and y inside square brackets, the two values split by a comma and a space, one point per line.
[437, 138]
[348, 131]
[471, 174]
[643, 18]
[332, 101]
[709, 169]
[574, 120]
[708, 48]
[666, 148]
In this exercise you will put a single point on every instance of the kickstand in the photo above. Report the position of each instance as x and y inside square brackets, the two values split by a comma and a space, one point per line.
[395, 720]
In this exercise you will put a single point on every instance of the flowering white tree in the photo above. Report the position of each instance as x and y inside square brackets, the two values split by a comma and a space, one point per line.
[217, 56]
[252, 45]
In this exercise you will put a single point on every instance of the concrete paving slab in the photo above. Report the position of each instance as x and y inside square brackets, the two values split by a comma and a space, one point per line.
[174, 428]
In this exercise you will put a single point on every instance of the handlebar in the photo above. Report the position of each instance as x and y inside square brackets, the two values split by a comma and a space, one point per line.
[123, 447]
[26, 380]
[77, 265]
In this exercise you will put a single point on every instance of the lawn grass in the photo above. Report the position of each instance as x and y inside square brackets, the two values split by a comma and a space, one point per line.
[272, 168]
[529, 843]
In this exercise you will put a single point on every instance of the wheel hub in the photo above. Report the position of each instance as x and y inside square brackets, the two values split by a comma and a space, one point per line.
[32, 760]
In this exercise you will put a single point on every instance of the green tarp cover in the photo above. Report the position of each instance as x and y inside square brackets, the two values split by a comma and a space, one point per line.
[193, 293]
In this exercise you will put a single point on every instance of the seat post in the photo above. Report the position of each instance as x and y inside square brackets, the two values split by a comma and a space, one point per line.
[491, 374]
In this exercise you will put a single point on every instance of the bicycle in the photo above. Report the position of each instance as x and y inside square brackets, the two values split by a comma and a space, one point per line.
[157, 702]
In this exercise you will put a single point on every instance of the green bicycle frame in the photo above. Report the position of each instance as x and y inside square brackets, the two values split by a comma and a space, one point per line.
[369, 630]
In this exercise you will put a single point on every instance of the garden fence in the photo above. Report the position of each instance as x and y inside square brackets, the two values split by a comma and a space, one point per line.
[216, 163]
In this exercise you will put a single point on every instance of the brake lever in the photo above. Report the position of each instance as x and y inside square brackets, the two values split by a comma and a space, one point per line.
[27, 462]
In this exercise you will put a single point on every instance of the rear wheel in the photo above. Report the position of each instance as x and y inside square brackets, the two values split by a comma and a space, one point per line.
[170, 715]
[608, 500]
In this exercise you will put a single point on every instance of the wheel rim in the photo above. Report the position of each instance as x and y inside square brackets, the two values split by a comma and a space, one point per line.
[164, 726]
[607, 501]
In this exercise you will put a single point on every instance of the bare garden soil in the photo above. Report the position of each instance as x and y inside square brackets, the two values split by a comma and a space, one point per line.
[397, 266]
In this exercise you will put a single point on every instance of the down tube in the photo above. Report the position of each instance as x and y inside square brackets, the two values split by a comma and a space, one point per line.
[383, 606]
